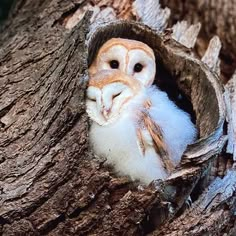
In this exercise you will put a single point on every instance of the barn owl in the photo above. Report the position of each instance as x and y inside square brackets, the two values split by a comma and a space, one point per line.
[135, 126]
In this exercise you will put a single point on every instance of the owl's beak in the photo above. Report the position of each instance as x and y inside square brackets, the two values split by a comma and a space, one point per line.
[106, 113]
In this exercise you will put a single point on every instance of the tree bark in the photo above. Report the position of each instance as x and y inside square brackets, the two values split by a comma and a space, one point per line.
[50, 183]
[217, 18]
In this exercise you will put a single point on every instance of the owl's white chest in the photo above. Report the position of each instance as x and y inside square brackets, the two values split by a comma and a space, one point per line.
[118, 142]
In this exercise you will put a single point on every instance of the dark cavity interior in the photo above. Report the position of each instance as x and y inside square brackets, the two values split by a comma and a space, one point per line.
[165, 81]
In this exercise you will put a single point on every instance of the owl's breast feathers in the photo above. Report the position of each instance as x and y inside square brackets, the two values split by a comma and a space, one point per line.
[148, 125]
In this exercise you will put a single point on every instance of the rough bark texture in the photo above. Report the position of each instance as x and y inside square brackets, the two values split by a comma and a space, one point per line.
[50, 183]
[217, 18]
[210, 214]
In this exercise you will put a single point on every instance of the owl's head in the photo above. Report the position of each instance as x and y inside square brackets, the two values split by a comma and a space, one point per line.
[108, 93]
[132, 57]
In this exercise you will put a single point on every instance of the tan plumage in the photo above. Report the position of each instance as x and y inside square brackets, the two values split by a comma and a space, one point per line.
[135, 126]
[108, 77]
[158, 141]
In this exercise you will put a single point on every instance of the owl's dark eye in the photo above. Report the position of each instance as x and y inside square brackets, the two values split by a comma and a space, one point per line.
[138, 67]
[114, 64]
[92, 99]
[116, 95]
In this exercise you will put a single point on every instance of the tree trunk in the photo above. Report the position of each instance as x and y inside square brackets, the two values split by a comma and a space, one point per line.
[217, 18]
[50, 183]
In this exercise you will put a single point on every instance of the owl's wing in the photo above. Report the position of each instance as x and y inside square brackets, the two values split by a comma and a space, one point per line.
[150, 134]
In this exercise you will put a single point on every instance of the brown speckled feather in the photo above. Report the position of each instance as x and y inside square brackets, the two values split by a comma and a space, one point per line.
[157, 138]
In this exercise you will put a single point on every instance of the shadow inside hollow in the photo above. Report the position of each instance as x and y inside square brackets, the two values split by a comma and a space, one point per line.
[165, 82]
[5, 6]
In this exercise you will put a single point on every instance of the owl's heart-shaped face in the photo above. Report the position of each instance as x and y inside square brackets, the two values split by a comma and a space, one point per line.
[108, 93]
[132, 57]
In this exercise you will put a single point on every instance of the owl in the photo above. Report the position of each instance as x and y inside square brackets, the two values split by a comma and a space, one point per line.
[135, 126]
